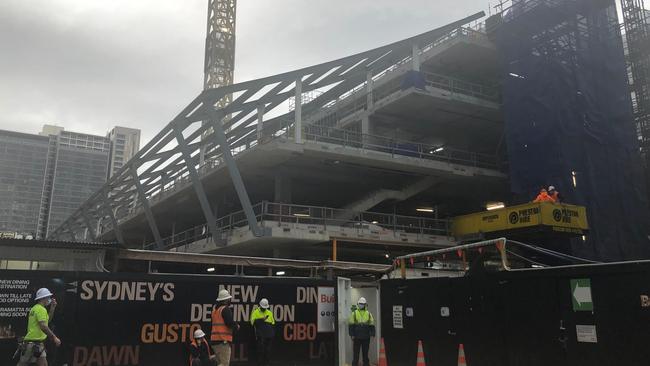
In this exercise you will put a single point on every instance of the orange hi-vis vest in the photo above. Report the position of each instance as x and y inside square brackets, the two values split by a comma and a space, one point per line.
[220, 332]
[198, 346]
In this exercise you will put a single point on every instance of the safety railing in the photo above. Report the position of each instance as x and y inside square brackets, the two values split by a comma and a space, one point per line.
[328, 218]
[458, 86]
[391, 146]
[393, 71]
[342, 137]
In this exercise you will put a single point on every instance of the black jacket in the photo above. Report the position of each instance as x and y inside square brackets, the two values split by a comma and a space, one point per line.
[201, 351]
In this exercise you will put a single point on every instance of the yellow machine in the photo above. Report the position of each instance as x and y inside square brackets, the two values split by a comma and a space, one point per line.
[559, 218]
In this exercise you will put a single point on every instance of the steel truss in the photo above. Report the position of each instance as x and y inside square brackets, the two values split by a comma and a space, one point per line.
[187, 143]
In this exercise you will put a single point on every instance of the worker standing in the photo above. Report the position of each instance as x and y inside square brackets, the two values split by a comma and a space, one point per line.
[223, 327]
[361, 327]
[555, 195]
[263, 321]
[200, 352]
[38, 330]
[543, 197]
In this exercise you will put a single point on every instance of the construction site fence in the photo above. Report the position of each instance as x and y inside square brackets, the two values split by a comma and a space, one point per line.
[149, 319]
[574, 315]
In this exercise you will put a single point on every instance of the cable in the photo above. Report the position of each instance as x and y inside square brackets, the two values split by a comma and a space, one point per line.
[526, 259]
[552, 252]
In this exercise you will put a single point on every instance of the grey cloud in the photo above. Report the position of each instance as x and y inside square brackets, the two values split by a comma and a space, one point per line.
[89, 65]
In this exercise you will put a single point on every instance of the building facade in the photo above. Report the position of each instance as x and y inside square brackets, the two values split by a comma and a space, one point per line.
[80, 168]
[23, 161]
[45, 177]
[124, 143]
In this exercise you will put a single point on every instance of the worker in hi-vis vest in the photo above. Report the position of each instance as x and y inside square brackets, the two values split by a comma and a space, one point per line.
[223, 327]
[32, 348]
[361, 327]
[200, 352]
[263, 321]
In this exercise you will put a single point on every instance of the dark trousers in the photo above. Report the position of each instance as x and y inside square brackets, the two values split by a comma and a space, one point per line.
[263, 350]
[360, 345]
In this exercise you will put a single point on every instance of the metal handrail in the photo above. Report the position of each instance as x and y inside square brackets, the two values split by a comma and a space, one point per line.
[461, 87]
[456, 33]
[373, 222]
[399, 147]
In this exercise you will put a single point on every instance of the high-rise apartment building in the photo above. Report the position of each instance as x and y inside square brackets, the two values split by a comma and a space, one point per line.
[23, 162]
[79, 168]
[45, 177]
[125, 143]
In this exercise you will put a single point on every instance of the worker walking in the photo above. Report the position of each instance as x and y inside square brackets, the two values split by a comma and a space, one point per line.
[543, 197]
[223, 327]
[200, 352]
[361, 327]
[264, 323]
[32, 348]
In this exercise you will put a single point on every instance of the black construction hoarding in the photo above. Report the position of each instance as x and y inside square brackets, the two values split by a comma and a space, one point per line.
[577, 315]
[134, 319]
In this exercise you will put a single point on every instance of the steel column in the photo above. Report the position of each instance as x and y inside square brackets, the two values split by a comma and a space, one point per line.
[298, 111]
[116, 227]
[90, 228]
[196, 183]
[415, 55]
[260, 121]
[238, 182]
[147, 209]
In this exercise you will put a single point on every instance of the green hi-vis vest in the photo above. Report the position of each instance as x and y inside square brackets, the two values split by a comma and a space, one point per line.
[361, 317]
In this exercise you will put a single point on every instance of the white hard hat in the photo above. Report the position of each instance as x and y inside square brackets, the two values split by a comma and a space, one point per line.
[43, 293]
[198, 334]
[224, 295]
[362, 301]
[264, 304]
[551, 188]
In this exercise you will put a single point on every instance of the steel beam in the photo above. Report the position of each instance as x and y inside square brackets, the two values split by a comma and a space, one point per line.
[111, 216]
[197, 185]
[298, 111]
[89, 226]
[238, 182]
[147, 209]
[229, 260]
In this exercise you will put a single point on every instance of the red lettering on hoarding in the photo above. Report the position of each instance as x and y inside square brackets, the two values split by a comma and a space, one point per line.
[299, 332]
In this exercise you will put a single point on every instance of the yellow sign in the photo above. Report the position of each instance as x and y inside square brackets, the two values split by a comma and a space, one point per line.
[560, 217]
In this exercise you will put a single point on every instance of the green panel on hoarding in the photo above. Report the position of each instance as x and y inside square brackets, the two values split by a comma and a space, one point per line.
[581, 295]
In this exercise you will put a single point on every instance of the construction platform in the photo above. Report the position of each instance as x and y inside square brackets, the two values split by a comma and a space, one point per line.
[531, 217]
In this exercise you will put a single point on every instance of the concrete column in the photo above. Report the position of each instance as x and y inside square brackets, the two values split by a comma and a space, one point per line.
[416, 57]
[298, 111]
[260, 121]
[282, 188]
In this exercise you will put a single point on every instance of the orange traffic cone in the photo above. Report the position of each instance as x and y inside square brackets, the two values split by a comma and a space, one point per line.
[461, 355]
[420, 361]
[382, 354]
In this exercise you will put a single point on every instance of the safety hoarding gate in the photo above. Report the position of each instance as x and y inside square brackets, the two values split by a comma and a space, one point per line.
[125, 319]
[583, 315]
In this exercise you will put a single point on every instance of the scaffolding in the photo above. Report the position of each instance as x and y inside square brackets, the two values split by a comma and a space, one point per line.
[568, 117]
[637, 36]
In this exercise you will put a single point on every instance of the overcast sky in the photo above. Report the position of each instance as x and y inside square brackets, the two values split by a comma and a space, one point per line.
[88, 65]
